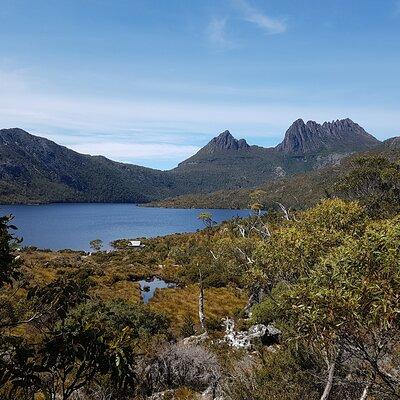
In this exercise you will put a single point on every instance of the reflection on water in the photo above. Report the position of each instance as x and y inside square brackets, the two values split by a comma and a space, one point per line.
[148, 287]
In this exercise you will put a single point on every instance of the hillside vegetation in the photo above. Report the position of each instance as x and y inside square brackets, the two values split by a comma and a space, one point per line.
[37, 170]
[325, 280]
[298, 191]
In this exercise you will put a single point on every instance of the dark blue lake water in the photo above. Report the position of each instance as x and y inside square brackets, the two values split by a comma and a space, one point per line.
[73, 226]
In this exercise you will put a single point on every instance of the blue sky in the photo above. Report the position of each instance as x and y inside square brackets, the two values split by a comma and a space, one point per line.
[151, 81]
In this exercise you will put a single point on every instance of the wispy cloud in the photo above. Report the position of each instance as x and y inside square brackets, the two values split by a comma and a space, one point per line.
[265, 22]
[217, 28]
[160, 133]
[216, 34]
[397, 8]
[136, 151]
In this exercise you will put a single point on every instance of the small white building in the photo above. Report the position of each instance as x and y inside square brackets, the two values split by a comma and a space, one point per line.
[135, 243]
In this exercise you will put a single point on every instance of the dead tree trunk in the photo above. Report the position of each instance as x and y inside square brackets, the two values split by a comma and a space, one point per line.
[201, 303]
[250, 303]
[331, 376]
[365, 391]
[368, 387]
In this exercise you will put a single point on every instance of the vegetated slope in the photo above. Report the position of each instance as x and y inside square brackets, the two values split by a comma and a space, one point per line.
[34, 169]
[226, 162]
[297, 191]
[37, 170]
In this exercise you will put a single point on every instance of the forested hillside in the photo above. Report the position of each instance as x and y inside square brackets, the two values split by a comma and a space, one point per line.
[284, 305]
[37, 170]
[297, 191]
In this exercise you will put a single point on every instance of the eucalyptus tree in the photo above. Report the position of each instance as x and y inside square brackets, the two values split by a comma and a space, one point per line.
[348, 305]
[207, 219]
[375, 182]
[9, 263]
[96, 244]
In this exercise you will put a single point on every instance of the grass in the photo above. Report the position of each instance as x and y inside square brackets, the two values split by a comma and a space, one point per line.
[180, 302]
[115, 276]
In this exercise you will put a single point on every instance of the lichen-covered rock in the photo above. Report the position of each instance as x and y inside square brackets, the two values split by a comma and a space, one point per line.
[243, 339]
[195, 339]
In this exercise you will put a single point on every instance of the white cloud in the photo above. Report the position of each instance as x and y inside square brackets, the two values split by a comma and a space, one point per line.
[217, 28]
[155, 130]
[251, 14]
[216, 33]
[135, 151]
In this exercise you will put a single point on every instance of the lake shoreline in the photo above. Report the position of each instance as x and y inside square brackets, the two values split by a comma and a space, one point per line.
[150, 204]
[72, 226]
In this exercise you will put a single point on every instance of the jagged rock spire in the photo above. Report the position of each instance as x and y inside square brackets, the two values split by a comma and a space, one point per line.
[224, 141]
[306, 138]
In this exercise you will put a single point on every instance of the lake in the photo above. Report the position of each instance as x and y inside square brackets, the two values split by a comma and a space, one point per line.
[73, 226]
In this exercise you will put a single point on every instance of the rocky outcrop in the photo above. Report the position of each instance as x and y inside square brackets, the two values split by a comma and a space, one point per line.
[393, 143]
[340, 135]
[243, 339]
[225, 141]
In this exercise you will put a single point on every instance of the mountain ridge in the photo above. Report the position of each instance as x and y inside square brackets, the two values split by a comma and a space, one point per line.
[304, 138]
[35, 169]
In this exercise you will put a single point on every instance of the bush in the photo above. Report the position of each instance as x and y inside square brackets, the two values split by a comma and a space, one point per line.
[189, 327]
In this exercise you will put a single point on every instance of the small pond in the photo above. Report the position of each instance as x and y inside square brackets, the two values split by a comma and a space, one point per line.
[148, 287]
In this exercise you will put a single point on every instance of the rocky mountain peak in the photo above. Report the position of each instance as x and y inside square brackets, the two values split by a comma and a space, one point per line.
[225, 141]
[340, 135]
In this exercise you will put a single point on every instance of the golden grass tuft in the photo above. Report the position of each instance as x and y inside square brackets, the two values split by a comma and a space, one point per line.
[124, 290]
[177, 303]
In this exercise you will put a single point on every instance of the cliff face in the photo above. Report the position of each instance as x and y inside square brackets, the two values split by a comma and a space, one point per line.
[337, 136]
[224, 141]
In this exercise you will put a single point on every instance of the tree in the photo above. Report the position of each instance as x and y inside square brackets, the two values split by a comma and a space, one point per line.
[92, 342]
[375, 182]
[202, 317]
[96, 244]
[331, 280]
[256, 198]
[348, 303]
[8, 262]
[207, 219]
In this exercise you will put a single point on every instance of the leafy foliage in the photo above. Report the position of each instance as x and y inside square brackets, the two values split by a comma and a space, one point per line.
[375, 181]
[327, 277]
[8, 262]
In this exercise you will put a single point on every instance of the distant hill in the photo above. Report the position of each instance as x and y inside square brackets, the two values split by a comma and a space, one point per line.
[297, 191]
[37, 170]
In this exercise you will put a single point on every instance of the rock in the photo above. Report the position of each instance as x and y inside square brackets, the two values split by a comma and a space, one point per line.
[225, 141]
[242, 339]
[269, 335]
[166, 394]
[280, 172]
[393, 143]
[195, 339]
[307, 138]
[272, 335]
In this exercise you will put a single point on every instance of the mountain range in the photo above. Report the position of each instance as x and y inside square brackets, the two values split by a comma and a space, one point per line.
[36, 170]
